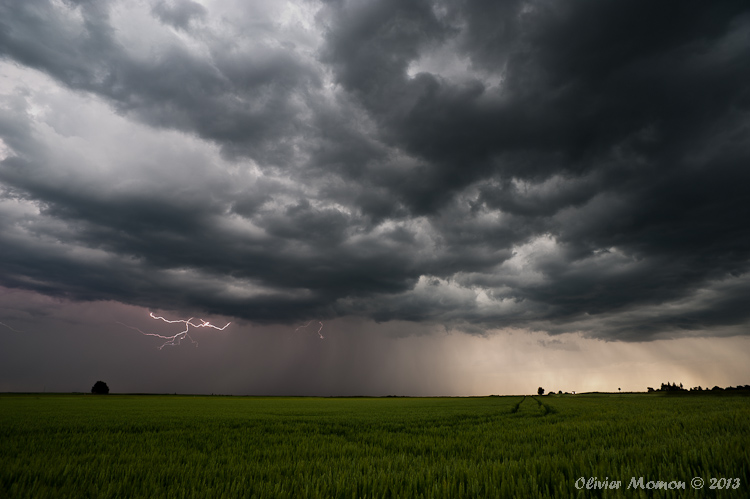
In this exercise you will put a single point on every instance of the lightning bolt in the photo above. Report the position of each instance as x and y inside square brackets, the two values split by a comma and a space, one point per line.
[176, 339]
[11, 328]
[310, 322]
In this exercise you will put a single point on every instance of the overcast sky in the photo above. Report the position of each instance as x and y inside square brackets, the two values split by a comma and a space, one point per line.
[457, 190]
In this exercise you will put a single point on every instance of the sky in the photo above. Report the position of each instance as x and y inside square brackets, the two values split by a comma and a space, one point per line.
[381, 197]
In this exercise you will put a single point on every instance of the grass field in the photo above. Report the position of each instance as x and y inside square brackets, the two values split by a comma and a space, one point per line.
[179, 446]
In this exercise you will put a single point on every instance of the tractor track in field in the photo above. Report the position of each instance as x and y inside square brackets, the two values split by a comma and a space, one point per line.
[544, 408]
[514, 409]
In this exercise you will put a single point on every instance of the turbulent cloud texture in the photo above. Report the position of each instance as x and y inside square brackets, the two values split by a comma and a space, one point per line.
[556, 166]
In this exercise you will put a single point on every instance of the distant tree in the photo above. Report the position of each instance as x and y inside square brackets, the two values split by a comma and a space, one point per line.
[650, 389]
[560, 392]
[716, 388]
[540, 391]
[671, 387]
[100, 388]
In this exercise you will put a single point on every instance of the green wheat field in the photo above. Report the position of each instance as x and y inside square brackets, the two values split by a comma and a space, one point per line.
[204, 446]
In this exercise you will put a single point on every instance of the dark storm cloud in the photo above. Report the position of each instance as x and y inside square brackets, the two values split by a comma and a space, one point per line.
[242, 97]
[564, 166]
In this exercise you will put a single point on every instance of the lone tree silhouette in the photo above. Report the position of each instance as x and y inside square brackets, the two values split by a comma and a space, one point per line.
[100, 388]
[540, 391]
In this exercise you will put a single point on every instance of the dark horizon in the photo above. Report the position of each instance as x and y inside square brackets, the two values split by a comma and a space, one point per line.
[690, 391]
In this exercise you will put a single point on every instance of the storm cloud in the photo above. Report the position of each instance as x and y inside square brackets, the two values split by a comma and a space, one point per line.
[555, 166]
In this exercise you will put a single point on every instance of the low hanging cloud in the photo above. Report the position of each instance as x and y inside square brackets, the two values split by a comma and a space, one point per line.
[554, 166]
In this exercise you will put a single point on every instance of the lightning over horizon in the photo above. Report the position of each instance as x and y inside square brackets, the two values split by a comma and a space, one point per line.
[310, 322]
[478, 197]
[176, 339]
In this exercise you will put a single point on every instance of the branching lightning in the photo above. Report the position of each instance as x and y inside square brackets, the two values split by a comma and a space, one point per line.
[176, 339]
[310, 322]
